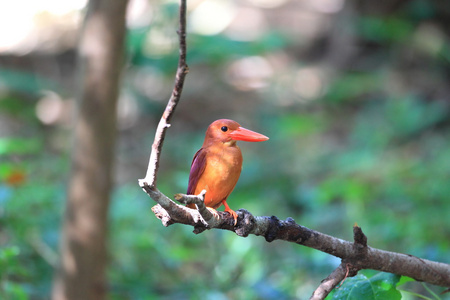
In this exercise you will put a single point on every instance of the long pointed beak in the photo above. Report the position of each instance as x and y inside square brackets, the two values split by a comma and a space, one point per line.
[242, 134]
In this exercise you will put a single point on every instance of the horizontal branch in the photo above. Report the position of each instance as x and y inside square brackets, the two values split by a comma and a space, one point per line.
[357, 253]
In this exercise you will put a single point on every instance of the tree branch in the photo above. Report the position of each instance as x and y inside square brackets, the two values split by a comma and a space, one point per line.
[329, 283]
[344, 270]
[358, 254]
[81, 271]
[198, 200]
[164, 123]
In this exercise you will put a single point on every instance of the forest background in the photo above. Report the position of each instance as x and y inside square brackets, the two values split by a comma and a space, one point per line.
[354, 96]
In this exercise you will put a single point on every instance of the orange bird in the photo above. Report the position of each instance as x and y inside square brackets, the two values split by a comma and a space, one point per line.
[217, 165]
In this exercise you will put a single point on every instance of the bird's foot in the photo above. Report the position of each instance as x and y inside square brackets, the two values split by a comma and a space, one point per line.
[233, 214]
[214, 212]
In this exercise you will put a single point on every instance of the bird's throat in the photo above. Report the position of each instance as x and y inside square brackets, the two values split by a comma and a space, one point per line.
[230, 143]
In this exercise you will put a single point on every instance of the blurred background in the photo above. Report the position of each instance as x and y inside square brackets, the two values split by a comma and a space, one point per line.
[354, 95]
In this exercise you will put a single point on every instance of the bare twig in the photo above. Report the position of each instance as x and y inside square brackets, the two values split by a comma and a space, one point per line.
[347, 271]
[192, 199]
[329, 283]
[164, 123]
[198, 200]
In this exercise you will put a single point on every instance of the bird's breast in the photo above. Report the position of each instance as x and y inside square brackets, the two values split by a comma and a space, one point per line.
[222, 171]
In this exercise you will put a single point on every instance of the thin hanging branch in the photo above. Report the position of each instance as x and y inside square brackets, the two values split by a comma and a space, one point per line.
[355, 255]
[164, 123]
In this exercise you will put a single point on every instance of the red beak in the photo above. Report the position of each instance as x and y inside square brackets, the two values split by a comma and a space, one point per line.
[242, 134]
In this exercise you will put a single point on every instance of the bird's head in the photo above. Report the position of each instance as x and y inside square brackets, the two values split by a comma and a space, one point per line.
[227, 131]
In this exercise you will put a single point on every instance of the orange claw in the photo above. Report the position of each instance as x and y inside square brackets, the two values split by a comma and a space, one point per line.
[230, 211]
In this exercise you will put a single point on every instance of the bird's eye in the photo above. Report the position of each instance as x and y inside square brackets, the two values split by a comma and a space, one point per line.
[224, 128]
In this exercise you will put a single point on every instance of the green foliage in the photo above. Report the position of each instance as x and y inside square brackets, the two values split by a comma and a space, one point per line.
[19, 145]
[25, 82]
[379, 287]
[10, 267]
[31, 199]
[390, 29]
[218, 49]
[425, 293]
[352, 86]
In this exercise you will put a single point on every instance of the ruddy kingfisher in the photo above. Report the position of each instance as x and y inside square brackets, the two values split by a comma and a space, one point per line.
[216, 167]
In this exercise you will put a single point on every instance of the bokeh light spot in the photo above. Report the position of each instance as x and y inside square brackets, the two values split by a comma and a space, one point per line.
[211, 17]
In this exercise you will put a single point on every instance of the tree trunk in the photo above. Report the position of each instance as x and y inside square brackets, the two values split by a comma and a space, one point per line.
[81, 272]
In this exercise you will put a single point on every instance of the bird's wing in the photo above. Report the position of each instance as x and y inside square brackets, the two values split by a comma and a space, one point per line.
[197, 168]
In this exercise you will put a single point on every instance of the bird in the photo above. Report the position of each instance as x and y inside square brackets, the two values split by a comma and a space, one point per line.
[216, 167]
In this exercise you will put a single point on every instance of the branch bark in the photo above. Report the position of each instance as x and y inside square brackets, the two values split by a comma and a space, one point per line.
[358, 255]
[81, 271]
[355, 255]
